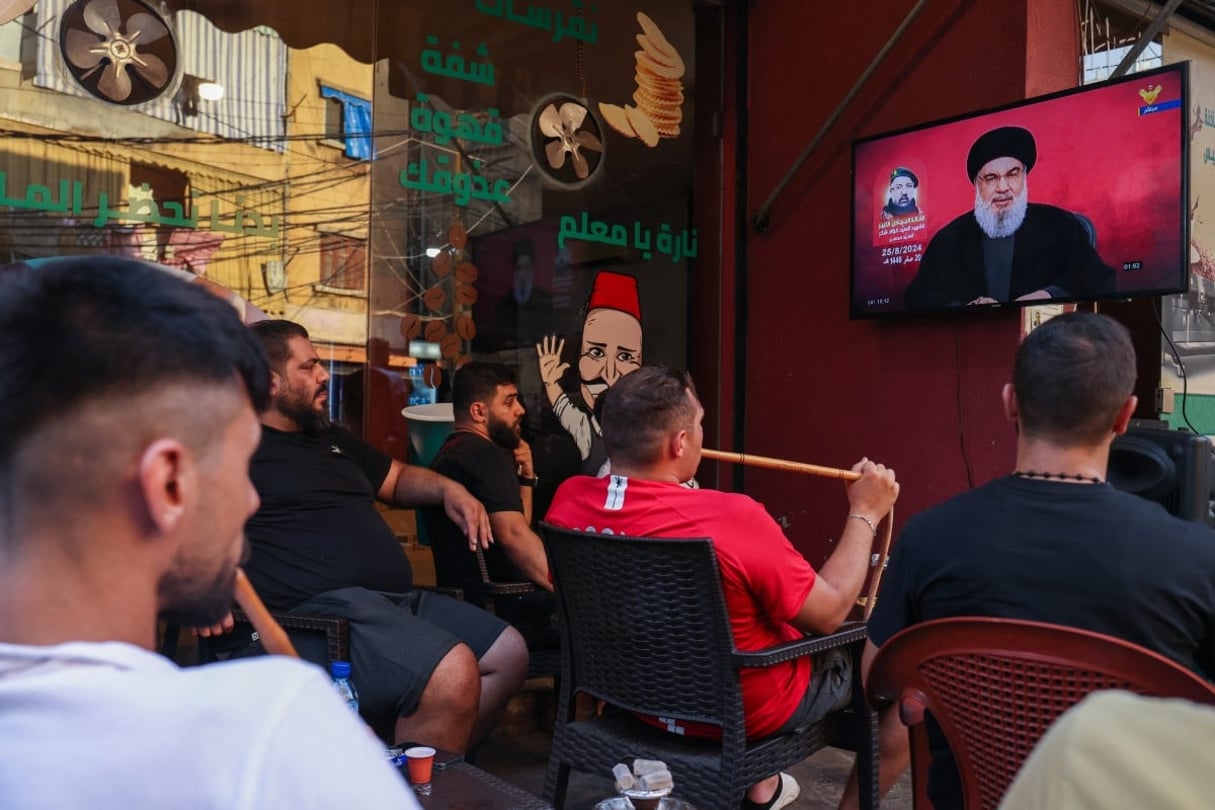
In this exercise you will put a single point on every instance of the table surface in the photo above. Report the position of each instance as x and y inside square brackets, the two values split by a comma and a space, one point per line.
[467, 787]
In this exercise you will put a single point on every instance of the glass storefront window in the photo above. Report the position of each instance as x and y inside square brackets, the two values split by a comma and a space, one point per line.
[420, 186]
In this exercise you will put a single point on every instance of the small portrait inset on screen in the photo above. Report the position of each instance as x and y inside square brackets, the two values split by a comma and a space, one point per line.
[901, 220]
[902, 199]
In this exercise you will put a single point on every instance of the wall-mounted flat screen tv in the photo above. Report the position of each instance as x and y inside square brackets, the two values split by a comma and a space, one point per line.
[1077, 196]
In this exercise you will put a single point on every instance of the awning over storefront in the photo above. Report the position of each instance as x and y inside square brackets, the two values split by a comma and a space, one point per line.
[352, 25]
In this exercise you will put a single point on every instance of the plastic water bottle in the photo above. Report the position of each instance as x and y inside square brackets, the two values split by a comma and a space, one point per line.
[341, 680]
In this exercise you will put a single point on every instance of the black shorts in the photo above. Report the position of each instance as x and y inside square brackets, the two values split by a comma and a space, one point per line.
[394, 648]
[829, 690]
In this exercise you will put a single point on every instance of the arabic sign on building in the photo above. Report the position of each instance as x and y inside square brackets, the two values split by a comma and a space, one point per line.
[531, 205]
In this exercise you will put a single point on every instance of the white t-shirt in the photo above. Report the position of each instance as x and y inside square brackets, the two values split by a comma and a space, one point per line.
[110, 725]
[1118, 751]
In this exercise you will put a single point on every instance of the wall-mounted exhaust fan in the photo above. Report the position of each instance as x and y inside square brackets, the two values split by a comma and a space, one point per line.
[121, 51]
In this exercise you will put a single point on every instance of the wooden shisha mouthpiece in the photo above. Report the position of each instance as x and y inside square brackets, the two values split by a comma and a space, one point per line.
[869, 600]
[273, 637]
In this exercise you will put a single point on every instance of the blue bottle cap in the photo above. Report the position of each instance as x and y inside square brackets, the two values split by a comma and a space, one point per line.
[340, 669]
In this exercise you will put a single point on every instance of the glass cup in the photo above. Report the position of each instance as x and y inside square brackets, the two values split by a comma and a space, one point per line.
[420, 761]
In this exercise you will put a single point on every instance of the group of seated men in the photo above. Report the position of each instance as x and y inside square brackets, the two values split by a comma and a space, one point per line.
[148, 432]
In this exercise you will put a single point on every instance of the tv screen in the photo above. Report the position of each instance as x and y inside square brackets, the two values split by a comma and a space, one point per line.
[1077, 196]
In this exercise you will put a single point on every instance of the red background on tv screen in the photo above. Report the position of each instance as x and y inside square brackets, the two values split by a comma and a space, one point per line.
[1097, 156]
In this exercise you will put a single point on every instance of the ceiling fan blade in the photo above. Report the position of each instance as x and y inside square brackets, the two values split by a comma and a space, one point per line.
[587, 140]
[581, 169]
[550, 122]
[102, 16]
[82, 49]
[151, 69]
[115, 84]
[555, 153]
[572, 115]
[150, 29]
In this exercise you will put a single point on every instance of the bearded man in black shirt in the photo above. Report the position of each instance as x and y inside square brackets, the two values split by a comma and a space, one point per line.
[487, 453]
[434, 669]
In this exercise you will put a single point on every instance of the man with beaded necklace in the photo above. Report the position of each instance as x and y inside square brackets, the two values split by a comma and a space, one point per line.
[1053, 541]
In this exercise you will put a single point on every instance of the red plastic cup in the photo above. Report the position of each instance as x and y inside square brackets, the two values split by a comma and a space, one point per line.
[420, 761]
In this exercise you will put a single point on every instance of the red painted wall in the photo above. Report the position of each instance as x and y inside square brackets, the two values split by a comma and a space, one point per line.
[919, 395]
[712, 326]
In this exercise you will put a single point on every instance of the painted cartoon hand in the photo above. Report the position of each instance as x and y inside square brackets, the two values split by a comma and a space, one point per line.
[549, 350]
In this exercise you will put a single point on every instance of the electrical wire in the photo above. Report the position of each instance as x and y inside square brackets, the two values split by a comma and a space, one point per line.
[299, 186]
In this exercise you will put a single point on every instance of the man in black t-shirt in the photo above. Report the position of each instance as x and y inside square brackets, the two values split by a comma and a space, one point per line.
[487, 454]
[318, 545]
[1053, 542]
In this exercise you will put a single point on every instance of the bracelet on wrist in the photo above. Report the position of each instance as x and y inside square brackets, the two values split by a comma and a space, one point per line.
[872, 526]
[528, 481]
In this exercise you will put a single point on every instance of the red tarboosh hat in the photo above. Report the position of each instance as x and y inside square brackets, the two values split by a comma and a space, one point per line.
[615, 291]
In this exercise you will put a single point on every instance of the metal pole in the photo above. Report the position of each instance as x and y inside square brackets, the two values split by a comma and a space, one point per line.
[762, 216]
[1149, 33]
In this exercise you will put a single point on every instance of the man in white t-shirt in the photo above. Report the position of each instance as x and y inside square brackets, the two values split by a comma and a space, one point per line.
[1119, 751]
[129, 420]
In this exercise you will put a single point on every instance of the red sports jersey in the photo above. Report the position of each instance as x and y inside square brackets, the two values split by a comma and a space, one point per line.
[765, 580]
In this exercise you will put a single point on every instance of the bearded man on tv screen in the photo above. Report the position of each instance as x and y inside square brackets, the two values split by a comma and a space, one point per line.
[1008, 249]
[901, 197]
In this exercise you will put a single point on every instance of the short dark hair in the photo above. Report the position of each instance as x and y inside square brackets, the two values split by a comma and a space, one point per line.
[1071, 376]
[275, 337]
[642, 409]
[478, 381]
[77, 332]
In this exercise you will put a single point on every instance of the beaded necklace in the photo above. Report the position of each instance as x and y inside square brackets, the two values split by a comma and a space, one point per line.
[1084, 479]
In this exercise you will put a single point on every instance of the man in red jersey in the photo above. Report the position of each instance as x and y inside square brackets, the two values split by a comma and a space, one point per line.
[652, 432]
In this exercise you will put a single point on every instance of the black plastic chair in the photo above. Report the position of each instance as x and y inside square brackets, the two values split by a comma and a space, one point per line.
[335, 630]
[644, 628]
[304, 629]
[458, 568]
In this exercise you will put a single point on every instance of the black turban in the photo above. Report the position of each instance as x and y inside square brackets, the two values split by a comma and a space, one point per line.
[1015, 142]
[902, 171]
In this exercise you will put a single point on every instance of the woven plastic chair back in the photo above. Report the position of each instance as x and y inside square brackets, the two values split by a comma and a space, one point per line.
[624, 650]
[995, 685]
